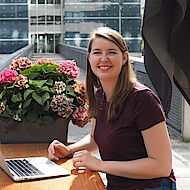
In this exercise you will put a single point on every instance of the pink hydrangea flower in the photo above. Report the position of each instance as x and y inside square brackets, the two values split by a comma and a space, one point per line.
[44, 60]
[79, 113]
[8, 75]
[70, 68]
[20, 64]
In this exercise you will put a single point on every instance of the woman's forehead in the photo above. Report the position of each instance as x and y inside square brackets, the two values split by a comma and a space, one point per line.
[102, 42]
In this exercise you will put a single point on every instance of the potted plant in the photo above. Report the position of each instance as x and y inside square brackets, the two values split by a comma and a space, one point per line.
[37, 95]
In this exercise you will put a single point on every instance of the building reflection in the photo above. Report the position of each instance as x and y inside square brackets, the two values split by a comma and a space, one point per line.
[46, 23]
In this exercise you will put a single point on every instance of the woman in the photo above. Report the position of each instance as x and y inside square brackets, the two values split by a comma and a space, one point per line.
[128, 125]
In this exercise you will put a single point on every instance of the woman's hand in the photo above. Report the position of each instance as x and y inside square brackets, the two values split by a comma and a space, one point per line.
[84, 159]
[57, 150]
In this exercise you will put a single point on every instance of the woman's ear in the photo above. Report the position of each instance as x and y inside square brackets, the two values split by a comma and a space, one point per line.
[88, 57]
[125, 57]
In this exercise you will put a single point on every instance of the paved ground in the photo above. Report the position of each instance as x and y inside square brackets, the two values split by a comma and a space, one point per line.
[181, 150]
[181, 162]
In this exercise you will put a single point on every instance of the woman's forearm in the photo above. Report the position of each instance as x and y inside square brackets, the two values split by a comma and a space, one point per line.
[86, 143]
[145, 168]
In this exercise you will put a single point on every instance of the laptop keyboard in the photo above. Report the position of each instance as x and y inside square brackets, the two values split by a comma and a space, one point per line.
[23, 168]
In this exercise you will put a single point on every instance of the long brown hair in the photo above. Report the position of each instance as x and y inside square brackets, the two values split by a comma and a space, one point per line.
[125, 81]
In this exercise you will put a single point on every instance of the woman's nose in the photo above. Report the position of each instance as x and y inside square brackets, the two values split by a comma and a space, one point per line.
[104, 57]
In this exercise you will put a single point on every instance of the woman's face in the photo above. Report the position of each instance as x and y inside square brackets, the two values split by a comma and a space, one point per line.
[106, 59]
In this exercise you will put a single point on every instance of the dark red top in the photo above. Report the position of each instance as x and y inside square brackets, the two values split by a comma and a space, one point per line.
[121, 140]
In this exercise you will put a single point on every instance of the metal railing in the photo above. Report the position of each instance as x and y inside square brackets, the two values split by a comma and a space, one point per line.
[73, 52]
[24, 52]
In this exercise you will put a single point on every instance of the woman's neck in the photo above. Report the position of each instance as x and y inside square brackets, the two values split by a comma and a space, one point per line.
[108, 89]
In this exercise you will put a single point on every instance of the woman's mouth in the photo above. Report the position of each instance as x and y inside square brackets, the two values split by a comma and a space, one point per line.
[104, 68]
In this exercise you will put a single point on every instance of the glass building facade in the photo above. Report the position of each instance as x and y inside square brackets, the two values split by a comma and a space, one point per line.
[13, 25]
[83, 16]
[46, 23]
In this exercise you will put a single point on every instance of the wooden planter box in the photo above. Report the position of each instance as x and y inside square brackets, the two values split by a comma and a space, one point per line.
[24, 132]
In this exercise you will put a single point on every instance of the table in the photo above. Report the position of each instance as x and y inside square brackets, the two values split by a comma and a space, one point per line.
[78, 180]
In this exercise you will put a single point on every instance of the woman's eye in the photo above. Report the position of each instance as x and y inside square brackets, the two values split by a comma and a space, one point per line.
[96, 52]
[112, 52]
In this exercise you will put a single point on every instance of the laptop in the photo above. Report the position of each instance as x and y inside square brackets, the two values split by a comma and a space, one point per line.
[31, 168]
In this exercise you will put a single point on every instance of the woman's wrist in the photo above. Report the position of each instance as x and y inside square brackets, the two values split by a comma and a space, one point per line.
[71, 151]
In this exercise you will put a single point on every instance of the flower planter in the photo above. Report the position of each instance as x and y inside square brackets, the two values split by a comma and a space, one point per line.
[40, 91]
[24, 132]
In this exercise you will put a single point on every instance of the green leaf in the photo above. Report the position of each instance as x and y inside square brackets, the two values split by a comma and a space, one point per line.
[49, 82]
[27, 103]
[2, 93]
[33, 76]
[40, 99]
[37, 83]
[32, 116]
[7, 112]
[24, 111]
[49, 68]
[70, 91]
[32, 69]
[45, 88]
[47, 106]
[16, 97]
[70, 81]
[27, 93]
[38, 122]
[10, 87]
[52, 91]
[69, 88]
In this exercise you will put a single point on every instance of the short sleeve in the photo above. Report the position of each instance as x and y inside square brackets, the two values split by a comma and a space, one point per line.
[147, 110]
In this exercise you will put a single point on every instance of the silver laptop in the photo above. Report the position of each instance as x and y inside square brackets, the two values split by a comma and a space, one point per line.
[31, 168]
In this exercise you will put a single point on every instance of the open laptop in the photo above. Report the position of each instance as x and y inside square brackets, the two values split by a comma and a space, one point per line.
[31, 168]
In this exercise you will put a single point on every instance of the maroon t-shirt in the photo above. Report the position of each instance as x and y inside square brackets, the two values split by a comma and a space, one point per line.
[121, 140]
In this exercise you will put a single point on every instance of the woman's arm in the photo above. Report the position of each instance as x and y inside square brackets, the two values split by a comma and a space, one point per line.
[86, 143]
[157, 164]
[58, 150]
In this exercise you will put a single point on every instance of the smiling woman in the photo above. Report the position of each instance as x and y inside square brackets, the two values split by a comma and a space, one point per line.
[125, 113]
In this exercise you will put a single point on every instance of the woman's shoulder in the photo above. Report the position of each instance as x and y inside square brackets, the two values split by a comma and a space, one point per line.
[138, 86]
[143, 92]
